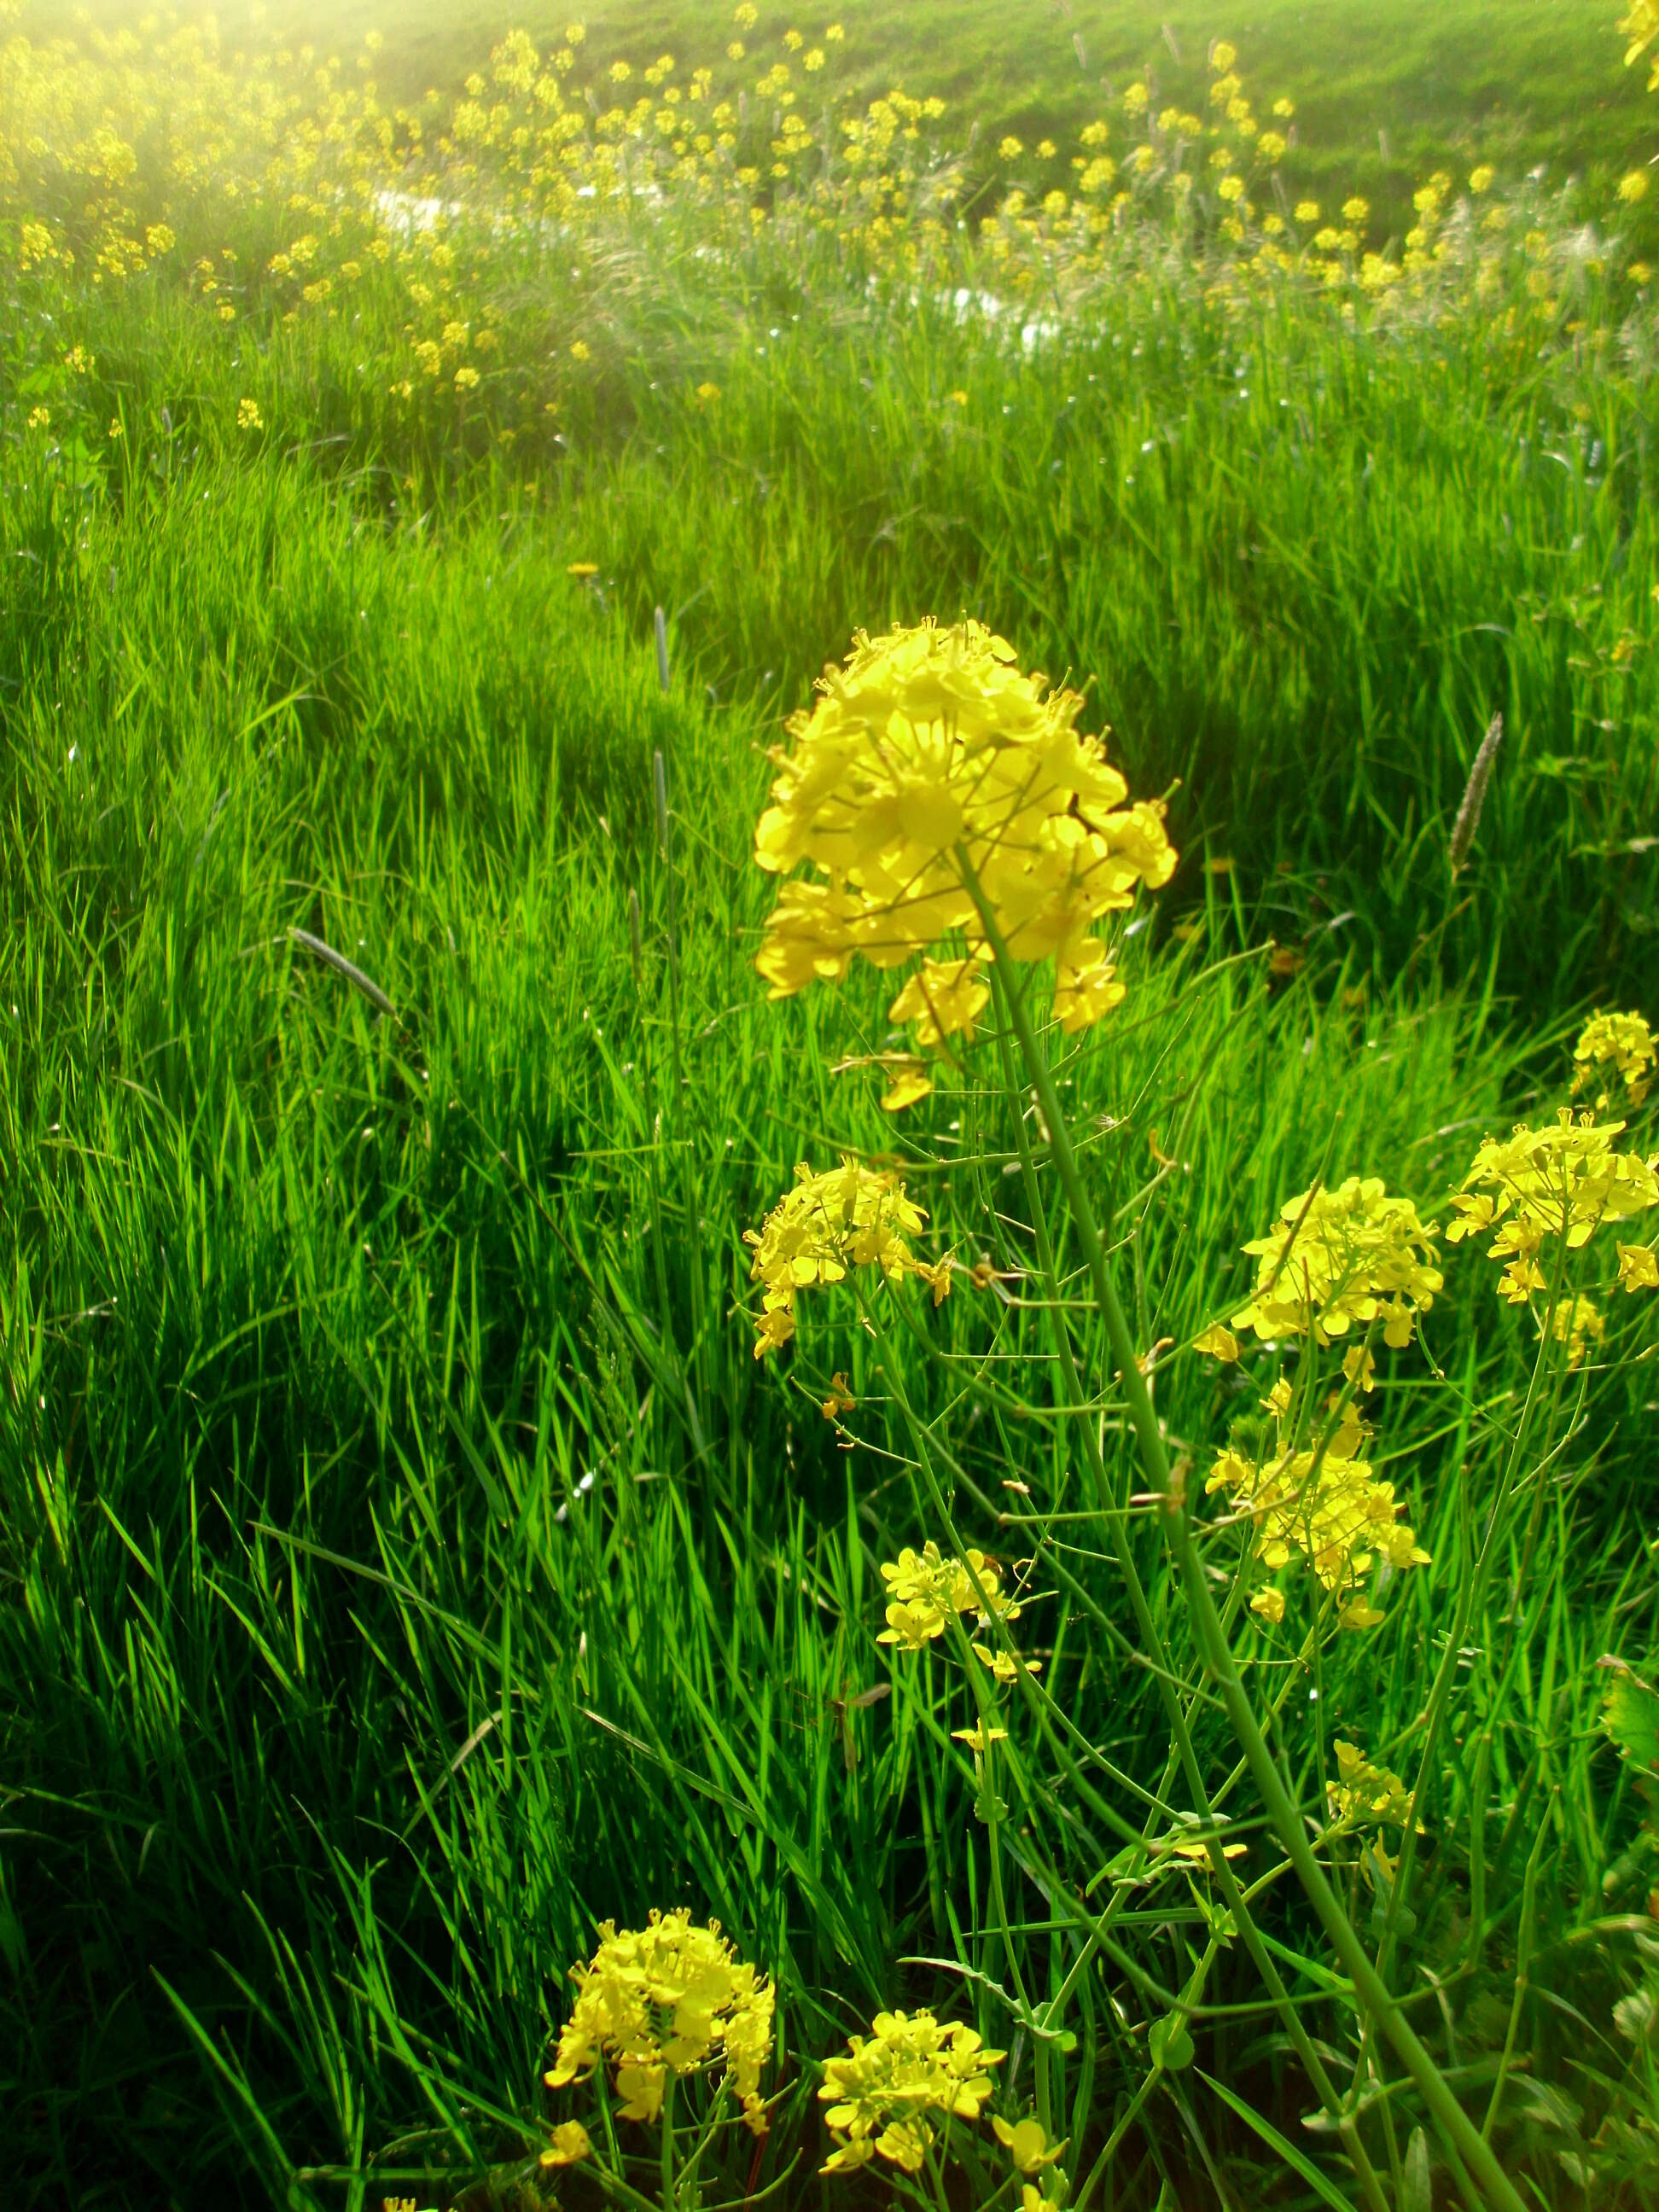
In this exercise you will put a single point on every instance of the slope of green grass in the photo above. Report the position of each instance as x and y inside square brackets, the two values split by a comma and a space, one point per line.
[403, 1563]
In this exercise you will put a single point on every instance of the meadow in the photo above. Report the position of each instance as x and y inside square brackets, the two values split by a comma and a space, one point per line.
[453, 1504]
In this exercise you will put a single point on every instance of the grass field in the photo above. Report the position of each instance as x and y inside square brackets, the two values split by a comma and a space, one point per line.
[406, 1566]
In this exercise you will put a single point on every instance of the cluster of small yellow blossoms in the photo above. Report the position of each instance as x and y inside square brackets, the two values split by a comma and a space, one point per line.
[1641, 27]
[1324, 1505]
[1536, 1186]
[1578, 1325]
[1363, 1796]
[881, 2095]
[933, 776]
[1627, 1041]
[672, 1998]
[1340, 1257]
[926, 1590]
[852, 1216]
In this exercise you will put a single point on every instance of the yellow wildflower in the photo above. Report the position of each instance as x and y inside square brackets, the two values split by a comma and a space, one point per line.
[1481, 178]
[1307, 210]
[925, 1588]
[1363, 1796]
[670, 1998]
[929, 759]
[1633, 187]
[248, 416]
[880, 2094]
[579, 349]
[1546, 1184]
[570, 2144]
[1009, 149]
[1026, 2142]
[1625, 1039]
[1578, 1325]
[1325, 1505]
[467, 378]
[1218, 1342]
[39, 418]
[849, 1217]
[1639, 1267]
[1340, 1256]
[1356, 209]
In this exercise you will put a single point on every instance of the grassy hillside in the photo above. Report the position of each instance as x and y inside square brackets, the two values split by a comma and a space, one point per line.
[407, 1565]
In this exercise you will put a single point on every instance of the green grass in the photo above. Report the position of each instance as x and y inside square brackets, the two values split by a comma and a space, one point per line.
[403, 1563]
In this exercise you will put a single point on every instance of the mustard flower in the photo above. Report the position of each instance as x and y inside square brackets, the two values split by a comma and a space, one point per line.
[1641, 27]
[1307, 210]
[848, 1216]
[1639, 1267]
[927, 749]
[1543, 1185]
[1578, 1325]
[248, 416]
[1633, 187]
[1363, 1796]
[669, 1998]
[1219, 1343]
[881, 2094]
[1625, 1039]
[1339, 1256]
[1009, 149]
[1326, 1506]
[1356, 209]
[1481, 178]
[925, 1588]
[570, 2144]
[39, 418]
[1026, 2142]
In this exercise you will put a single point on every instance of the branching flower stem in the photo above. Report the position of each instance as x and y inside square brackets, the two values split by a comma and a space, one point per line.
[1146, 1621]
[1372, 1990]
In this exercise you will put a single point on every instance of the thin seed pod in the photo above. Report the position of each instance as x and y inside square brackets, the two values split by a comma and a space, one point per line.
[659, 799]
[662, 648]
[370, 989]
[1474, 793]
[636, 940]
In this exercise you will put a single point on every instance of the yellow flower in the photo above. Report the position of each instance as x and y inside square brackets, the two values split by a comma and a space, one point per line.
[1639, 1267]
[1046, 150]
[1480, 179]
[1578, 1325]
[669, 1998]
[1026, 2142]
[812, 60]
[929, 758]
[117, 429]
[1625, 1039]
[1325, 1505]
[1340, 1256]
[582, 569]
[1009, 149]
[910, 2065]
[1633, 187]
[833, 35]
[1364, 1795]
[39, 418]
[979, 1739]
[78, 362]
[1218, 1342]
[1543, 1185]
[746, 16]
[1270, 1604]
[850, 1217]
[1222, 56]
[466, 379]
[248, 416]
[570, 2144]
[579, 349]
[925, 1588]
[1356, 209]
[1307, 210]
[620, 72]
[707, 394]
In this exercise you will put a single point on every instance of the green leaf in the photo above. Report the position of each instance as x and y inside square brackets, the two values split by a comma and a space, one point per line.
[1630, 1714]
[1171, 2044]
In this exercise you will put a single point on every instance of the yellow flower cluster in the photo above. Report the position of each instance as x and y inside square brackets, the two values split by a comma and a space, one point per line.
[925, 1589]
[1342, 1256]
[881, 2094]
[672, 1998]
[1535, 1187]
[1641, 27]
[929, 770]
[1624, 1039]
[852, 1216]
[1363, 1796]
[1327, 1505]
[1578, 1325]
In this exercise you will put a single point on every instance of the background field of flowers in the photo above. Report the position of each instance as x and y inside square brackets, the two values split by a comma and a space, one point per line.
[404, 1566]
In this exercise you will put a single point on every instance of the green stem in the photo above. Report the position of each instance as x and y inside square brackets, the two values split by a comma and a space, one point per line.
[1372, 1990]
[1324, 2088]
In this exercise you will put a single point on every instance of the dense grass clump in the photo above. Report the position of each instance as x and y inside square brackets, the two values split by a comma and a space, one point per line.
[419, 518]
